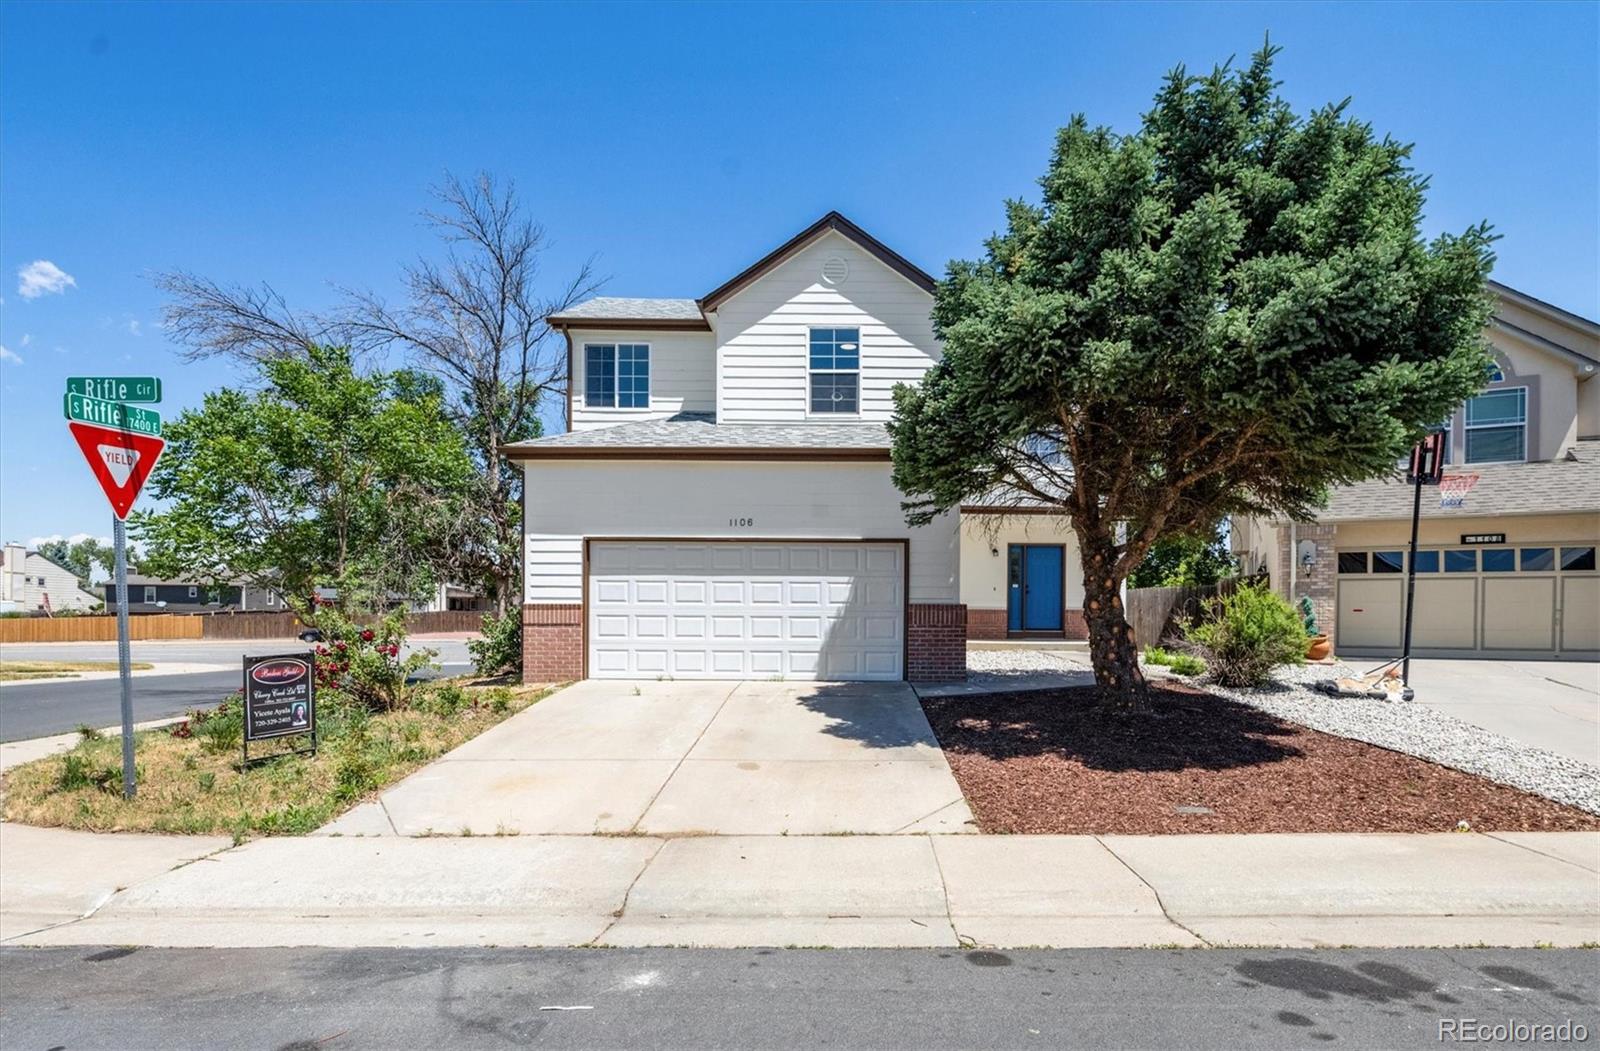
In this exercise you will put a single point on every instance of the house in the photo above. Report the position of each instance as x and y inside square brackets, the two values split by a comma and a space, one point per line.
[451, 598]
[1505, 569]
[29, 583]
[156, 595]
[721, 504]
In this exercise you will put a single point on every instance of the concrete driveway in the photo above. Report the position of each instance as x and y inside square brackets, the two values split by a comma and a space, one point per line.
[676, 758]
[1553, 705]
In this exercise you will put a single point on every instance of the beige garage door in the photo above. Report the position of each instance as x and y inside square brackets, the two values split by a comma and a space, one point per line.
[1490, 601]
[1369, 613]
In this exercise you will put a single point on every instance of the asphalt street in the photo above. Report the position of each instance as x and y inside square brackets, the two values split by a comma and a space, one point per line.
[129, 999]
[29, 710]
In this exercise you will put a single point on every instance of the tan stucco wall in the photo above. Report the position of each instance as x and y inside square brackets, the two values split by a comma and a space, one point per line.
[1589, 408]
[983, 574]
[1519, 529]
[1552, 397]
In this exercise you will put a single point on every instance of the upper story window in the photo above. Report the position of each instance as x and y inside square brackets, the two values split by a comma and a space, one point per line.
[836, 370]
[1496, 426]
[616, 375]
[1046, 448]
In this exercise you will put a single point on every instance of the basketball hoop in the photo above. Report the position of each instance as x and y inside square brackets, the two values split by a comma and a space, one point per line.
[1453, 489]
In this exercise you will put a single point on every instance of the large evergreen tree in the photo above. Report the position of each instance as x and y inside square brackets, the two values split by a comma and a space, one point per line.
[1225, 312]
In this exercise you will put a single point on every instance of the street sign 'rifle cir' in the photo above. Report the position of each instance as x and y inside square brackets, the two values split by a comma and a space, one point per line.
[121, 443]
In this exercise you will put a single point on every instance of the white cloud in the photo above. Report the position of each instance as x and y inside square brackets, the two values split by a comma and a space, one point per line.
[42, 277]
[132, 325]
[9, 355]
[26, 339]
[34, 542]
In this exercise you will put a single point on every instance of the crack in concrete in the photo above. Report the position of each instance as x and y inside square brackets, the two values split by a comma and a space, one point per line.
[1157, 894]
[683, 758]
[1531, 850]
[622, 910]
[962, 940]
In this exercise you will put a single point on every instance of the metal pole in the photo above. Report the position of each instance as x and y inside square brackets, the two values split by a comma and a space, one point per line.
[1411, 578]
[119, 535]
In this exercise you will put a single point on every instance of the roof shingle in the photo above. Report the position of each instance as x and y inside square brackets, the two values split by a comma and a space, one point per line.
[1569, 483]
[617, 308]
[700, 430]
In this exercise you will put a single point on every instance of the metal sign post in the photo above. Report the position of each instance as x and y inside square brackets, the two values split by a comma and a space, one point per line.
[121, 443]
[119, 540]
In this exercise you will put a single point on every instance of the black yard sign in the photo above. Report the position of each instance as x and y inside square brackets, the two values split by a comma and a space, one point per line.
[278, 698]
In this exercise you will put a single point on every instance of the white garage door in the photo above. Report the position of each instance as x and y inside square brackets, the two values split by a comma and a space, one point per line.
[740, 610]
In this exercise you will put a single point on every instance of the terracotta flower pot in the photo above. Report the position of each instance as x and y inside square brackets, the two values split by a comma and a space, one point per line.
[1318, 648]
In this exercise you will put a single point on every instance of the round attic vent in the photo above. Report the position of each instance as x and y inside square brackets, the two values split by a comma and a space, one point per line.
[835, 270]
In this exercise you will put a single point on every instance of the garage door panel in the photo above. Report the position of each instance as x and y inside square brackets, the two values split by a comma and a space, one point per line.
[758, 609]
[1369, 614]
[1447, 613]
[1580, 613]
[1519, 613]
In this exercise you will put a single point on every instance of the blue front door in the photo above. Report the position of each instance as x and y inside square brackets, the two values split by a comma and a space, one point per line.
[1033, 577]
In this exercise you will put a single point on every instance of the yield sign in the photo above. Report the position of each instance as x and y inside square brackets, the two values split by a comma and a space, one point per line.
[121, 461]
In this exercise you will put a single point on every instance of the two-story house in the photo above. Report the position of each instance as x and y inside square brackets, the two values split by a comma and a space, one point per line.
[31, 583]
[721, 504]
[1506, 568]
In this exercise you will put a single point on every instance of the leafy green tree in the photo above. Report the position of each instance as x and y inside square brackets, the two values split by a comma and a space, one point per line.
[1184, 560]
[1224, 312]
[324, 475]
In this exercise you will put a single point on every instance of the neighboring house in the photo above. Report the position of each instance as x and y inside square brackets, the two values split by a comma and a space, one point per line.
[30, 582]
[451, 597]
[1509, 573]
[155, 595]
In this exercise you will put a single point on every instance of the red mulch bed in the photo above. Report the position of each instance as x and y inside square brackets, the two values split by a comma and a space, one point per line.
[1052, 761]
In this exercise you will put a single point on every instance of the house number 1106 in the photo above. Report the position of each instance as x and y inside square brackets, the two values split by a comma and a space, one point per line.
[741, 521]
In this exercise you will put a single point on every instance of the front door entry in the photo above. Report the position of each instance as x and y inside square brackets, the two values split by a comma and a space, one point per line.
[1033, 601]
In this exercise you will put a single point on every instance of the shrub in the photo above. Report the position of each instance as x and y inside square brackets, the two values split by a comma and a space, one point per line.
[220, 730]
[1308, 615]
[365, 661]
[499, 651]
[81, 771]
[1186, 664]
[444, 700]
[1248, 633]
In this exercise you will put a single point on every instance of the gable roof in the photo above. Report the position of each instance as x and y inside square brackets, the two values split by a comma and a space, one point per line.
[1571, 482]
[838, 224]
[620, 312]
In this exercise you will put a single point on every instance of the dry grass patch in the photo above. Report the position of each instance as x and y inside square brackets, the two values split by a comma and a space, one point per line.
[17, 671]
[192, 780]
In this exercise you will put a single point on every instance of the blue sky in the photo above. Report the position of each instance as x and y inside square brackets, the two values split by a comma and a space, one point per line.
[294, 144]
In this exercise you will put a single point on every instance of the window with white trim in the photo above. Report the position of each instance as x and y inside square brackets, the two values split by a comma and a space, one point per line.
[149, 594]
[835, 370]
[616, 375]
[194, 591]
[1496, 426]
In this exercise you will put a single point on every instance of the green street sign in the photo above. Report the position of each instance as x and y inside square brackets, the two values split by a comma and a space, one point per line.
[114, 414]
[116, 388]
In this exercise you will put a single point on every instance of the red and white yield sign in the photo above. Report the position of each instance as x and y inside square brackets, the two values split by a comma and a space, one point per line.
[121, 460]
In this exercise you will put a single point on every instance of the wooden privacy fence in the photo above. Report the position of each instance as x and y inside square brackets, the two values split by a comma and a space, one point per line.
[1159, 613]
[201, 626]
[98, 629]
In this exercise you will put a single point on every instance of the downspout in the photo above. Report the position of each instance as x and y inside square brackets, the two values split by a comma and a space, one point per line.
[1293, 558]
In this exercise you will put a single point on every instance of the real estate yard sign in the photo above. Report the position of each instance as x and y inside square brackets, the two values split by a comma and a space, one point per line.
[122, 443]
[279, 698]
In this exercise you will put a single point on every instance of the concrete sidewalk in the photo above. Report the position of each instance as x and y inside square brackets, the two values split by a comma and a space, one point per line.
[907, 890]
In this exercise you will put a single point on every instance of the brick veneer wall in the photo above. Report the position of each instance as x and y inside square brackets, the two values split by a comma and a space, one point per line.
[936, 642]
[993, 624]
[552, 642]
[1320, 582]
[986, 623]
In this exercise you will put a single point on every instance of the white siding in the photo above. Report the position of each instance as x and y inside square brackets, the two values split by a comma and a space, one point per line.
[762, 334]
[682, 376]
[566, 502]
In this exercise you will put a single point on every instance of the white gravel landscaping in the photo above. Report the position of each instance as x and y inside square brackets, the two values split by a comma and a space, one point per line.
[1401, 726]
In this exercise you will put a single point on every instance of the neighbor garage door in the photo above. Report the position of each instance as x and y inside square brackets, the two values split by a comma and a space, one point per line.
[737, 610]
[1491, 601]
